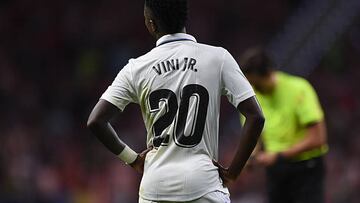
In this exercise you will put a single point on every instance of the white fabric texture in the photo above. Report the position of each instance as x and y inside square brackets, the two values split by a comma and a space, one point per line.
[178, 86]
[212, 197]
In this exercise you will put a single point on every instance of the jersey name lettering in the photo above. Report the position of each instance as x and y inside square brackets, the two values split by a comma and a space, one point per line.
[186, 63]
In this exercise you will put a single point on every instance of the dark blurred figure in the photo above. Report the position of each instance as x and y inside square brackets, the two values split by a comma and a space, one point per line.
[294, 137]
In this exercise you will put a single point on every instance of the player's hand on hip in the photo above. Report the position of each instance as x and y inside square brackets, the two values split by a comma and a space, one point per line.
[224, 174]
[138, 164]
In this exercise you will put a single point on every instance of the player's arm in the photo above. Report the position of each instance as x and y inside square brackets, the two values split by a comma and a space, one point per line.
[315, 137]
[258, 148]
[252, 159]
[254, 123]
[99, 125]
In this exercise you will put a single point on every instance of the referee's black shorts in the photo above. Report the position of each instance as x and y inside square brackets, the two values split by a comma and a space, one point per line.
[296, 182]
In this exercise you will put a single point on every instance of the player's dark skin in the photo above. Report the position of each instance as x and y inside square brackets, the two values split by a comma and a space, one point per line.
[104, 111]
[254, 123]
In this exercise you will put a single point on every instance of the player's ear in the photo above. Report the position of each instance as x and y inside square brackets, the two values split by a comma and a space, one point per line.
[152, 26]
[150, 21]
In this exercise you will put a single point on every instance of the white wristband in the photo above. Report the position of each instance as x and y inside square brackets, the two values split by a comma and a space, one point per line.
[128, 155]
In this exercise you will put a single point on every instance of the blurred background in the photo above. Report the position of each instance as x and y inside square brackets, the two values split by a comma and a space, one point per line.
[57, 58]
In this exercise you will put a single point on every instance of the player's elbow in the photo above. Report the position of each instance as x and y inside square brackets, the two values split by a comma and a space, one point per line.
[93, 122]
[259, 119]
[257, 122]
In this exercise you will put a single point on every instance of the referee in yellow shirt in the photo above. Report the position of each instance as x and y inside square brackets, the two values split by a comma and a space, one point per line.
[294, 137]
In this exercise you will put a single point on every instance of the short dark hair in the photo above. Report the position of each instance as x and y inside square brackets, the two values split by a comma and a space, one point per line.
[171, 14]
[256, 61]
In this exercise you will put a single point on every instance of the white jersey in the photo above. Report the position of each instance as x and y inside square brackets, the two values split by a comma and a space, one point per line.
[178, 86]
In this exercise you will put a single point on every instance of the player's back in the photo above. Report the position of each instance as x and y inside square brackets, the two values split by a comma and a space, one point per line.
[178, 86]
[179, 89]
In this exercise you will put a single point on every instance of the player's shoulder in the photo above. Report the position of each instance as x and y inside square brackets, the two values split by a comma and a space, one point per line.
[154, 53]
[216, 53]
[210, 51]
[140, 60]
[217, 50]
[211, 47]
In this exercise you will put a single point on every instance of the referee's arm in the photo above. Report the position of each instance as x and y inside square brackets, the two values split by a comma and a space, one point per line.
[311, 116]
[315, 137]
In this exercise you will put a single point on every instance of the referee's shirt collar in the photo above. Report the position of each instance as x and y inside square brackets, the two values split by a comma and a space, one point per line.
[174, 38]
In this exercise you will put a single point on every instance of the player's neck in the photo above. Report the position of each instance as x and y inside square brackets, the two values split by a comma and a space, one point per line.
[160, 34]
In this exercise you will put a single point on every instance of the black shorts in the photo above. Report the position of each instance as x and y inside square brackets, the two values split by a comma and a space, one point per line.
[296, 182]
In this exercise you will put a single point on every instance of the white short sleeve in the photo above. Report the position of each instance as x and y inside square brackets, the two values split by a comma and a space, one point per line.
[234, 83]
[121, 91]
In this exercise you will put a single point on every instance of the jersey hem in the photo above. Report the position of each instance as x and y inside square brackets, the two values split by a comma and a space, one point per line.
[105, 98]
[183, 197]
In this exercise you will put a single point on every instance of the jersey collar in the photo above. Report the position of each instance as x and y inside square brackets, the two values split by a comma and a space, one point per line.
[174, 38]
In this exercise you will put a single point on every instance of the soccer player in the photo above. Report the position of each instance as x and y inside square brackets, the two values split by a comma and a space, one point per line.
[294, 136]
[178, 86]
